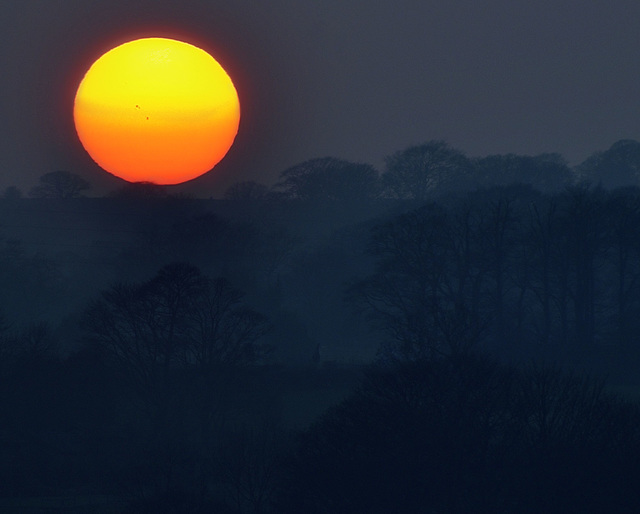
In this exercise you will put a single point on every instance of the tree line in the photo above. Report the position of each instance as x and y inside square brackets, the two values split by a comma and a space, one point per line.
[168, 383]
[416, 173]
[509, 267]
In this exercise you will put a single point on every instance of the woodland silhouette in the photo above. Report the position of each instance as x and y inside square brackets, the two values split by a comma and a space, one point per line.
[451, 334]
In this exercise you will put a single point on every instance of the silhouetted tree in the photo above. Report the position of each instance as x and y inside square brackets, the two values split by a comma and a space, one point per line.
[12, 193]
[59, 184]
[546, 172]
[421, 292]
[571, 434]
[250, 466]
[622, 222]
[328, 178]
[497, 238]
[419, 172]
[616, 167]
[37, 341]
[178, 318]
[582, 212]
[466, 436]
[511, 267]
[540, 243]
[179, 337]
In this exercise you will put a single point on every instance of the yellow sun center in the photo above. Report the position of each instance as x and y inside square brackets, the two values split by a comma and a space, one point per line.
[156, 110]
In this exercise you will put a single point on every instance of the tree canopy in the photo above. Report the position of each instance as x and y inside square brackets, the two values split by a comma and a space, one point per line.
[328, 178]
[618, 166]
[59, 184]
[419, 172]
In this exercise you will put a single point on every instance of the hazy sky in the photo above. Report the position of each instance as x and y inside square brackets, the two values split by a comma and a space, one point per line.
[353, 79]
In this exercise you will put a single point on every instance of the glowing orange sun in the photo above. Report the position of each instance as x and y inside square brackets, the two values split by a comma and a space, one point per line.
[156, 110]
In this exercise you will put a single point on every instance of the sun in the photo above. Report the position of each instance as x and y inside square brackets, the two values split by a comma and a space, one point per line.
[156, 110]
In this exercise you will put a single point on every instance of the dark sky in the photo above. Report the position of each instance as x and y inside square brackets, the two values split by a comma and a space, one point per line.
[353, 79]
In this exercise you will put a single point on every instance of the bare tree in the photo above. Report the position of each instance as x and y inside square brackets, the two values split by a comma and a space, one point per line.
[249, 464]
[623, 216]
[582, 211]
[179, 338]
[498, 439]
[180, 318]
[421, 292]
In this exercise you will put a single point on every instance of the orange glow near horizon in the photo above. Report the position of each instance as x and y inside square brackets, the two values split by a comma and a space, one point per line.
[156, 110]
